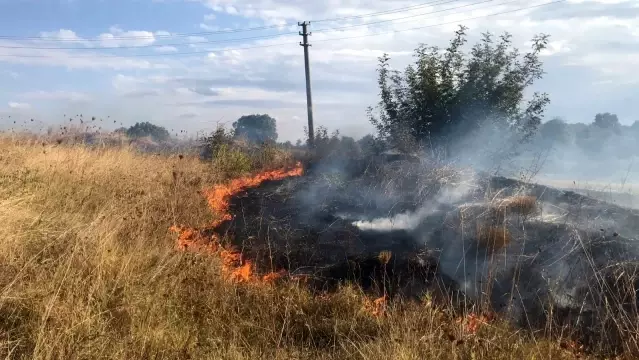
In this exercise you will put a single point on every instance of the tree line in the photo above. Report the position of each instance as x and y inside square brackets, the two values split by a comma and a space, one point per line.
[448, 94]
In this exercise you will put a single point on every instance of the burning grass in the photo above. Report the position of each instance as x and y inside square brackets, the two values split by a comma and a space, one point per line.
[218, 197]
[89, 270]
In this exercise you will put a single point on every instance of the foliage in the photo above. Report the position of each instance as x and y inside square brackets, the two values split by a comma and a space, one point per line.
[606, 121]
[210, 144]
[554, 131]
[369, 145]
[287, 144]
[604, 131]
[234, 157]
[447, 94]
[336, 146]
[231, 161]
[256, 128]
[144, 129]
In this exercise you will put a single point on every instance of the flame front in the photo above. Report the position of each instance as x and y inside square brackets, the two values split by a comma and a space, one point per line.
[218, 198]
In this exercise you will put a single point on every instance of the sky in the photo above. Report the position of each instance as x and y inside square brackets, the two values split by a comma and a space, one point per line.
[190, 65]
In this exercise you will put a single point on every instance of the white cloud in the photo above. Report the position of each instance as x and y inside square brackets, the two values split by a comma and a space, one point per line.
[117, 37]
[208, 27]
[124, 83]
[59, 95]
[62, 34]
[88, 59]
[196, 39]
[11, 74]
[19, 105]
[166, 49]
[209, 17]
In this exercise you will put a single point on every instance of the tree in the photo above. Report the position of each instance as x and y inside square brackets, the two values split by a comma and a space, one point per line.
[144, 129]
[256, 128]
[368, 144]
[607, 121]
[448, 94]
[554, 131]
[211, 144]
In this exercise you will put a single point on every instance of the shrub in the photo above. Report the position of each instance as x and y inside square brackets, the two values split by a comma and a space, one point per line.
[144, 129]
[232, 161]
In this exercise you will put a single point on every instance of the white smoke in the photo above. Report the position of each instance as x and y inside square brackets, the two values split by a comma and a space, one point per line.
[410, 220]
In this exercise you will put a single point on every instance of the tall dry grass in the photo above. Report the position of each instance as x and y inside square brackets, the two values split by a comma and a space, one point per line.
[88, 270]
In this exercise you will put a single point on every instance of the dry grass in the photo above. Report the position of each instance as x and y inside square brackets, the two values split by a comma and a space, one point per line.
[518, 205]
[88, 270]
[493, 238]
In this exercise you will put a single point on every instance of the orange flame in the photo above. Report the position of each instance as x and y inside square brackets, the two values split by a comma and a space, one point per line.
[376, 307]
[218, 198]
[244, 273]
[472, 322]
[274, 276]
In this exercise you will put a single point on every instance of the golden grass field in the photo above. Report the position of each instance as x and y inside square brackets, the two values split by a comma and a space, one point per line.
[89, 270]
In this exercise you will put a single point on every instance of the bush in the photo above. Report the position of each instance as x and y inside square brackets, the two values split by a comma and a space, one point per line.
[209, 145]
[447, 94]
[232, 161]
[144, 129]
[256, 128]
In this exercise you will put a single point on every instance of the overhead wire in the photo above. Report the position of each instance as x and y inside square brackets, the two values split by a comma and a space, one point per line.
[320, 40]
[226, 31]
[446, 23]
[261, 37]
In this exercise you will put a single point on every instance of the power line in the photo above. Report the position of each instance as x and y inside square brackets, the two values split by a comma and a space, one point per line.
[430, 3]
[152, 55]
[445, 23]
[228, 31]
[414, 15]
[291, 43]
[259, 37]
[151, 45]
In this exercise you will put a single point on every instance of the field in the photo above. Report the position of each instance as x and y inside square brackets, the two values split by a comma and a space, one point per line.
[89, 269]
[623, 194]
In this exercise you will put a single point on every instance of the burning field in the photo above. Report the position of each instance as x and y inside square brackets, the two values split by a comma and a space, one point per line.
[403, 229]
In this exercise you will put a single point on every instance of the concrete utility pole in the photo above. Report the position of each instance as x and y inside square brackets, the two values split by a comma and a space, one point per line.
[309, 101]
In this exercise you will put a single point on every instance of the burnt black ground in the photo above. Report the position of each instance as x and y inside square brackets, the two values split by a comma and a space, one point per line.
[571, 264]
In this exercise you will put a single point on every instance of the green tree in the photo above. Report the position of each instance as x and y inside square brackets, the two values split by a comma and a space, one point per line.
[257, 128]
[211, 144]
[144, 129]
[451, 93]
[368, 144]
[607, 121]
[554, 131]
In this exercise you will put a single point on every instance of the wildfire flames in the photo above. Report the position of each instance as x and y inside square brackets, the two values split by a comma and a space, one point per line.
[238, 269]
[218, 197]
[473, 321]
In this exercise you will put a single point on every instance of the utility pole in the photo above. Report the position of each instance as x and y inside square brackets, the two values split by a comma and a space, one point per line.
[309, 101]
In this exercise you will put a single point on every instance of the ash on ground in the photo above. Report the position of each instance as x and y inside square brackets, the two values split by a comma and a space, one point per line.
[522, 248]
